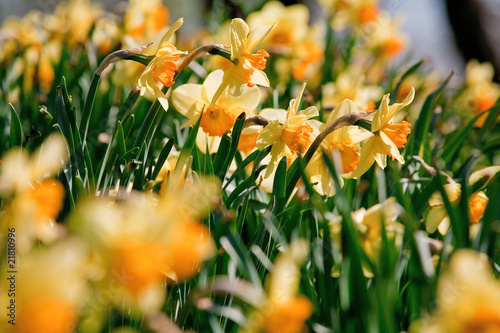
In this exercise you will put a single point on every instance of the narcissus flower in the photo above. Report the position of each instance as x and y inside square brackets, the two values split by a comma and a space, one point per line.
[161, 70]
[342, 145]
[282, 310]
[33, 200]
[387, 137]
[247, 67]
[191, 99]
[468, 297]
[296, 133]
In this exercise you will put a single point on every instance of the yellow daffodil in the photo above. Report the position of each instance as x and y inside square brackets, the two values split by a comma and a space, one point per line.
[296, 133]
[144, 20]
[246, 68]
[191, 99]
[468, 297]
[141, 241]
[33, 200]
[351, 84]
[282, 310]
[342, 145]
[161, 70]
[481, 92]
[352, 13]
[50, 289]
[387, 137]
[438, 216]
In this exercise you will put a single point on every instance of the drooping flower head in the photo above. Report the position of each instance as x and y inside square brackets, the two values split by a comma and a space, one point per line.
[247, 67]
[387, 137]
[161, 70]
[191, 99]
[295, 134]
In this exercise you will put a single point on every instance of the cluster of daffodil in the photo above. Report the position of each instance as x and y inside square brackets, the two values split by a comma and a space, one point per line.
[298, 187]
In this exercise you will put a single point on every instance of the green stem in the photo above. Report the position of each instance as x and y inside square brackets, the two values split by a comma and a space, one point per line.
[87, 109]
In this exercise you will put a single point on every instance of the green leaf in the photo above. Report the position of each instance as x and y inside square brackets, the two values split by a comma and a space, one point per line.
[237, 251]
[120, 139]
[162, 158]
[421, 128]
[16, 131]
[279, 186]
[410, 71]
[236, 132]
[87, 109]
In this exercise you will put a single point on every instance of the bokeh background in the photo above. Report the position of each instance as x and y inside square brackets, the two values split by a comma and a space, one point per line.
[445, 32]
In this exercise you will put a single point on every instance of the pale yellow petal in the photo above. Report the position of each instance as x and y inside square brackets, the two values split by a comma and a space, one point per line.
[391, 147]
[188, 101]
[274, 114]
[309, 112]
[226, 80]
[248, 101]
[269, 135]
[238, 35]
[434, 218]
[256, 36]
[345, 107]
[366, 159]
[50, 157]
[211, 84]
[260, 78]
[277, 152]
[177, 24]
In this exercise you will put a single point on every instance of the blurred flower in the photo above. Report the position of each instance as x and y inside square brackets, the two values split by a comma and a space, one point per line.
[480, 93]
[282, 309]
[468, 297]
[106, 35]
[247, 67]
[342, 145]
[438, 215]
[51, 289]
[387, 137]
[191, 99]
[161, 70]
[352, 13]
[351, 84]
[32, 199]
[141, 241]
[295, 133]
[144, 20]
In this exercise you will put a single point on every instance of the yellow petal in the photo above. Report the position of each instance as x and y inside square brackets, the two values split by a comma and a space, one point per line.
[238, 35]
[435, 217]
[188, 101]
[310, 112]
[226, 80]
[256, 36]
[391, 146]
[211, 84]
[366, 159]
[177, 24]
[269, 135]
[49, 157]
[345, 107]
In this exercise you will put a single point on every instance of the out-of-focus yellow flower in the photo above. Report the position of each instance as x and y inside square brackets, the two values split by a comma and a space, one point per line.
[387, 138]
[351, 84]
[291, 25]
[33, 201]
[50, 289]
[142, 241]
[296, 132]
[481, 92]
[161, 70]
[106, 35]
[144, 20]
[438, 216]
[468, 297]
[283, 310]
[342, 145]
[76, 19]
[191, 99]
[385, 39]
[246, 68]
[369, 225]
[352, 13]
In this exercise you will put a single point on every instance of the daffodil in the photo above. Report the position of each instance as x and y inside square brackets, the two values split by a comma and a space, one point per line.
[191, 99]
[468, 297]
[161, 70]
[295, 133]
[33, 200]
[342, 145]
[387, 137]
[142, 240]
[282, 310]
[51, 289]
[352, 13]
[246, 67]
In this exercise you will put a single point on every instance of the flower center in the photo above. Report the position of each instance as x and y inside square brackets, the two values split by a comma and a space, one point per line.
[484, 320]
[164, 68]
[483, 103]
[368, 13]
[48, 196]
[287, 317]
[297, 136]
[139, 264]
[258, 60]
[398, 133]
[217, 120]
[46, 315]
[247, 142]
[477, 205]
[392, 46]
[348, 155]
